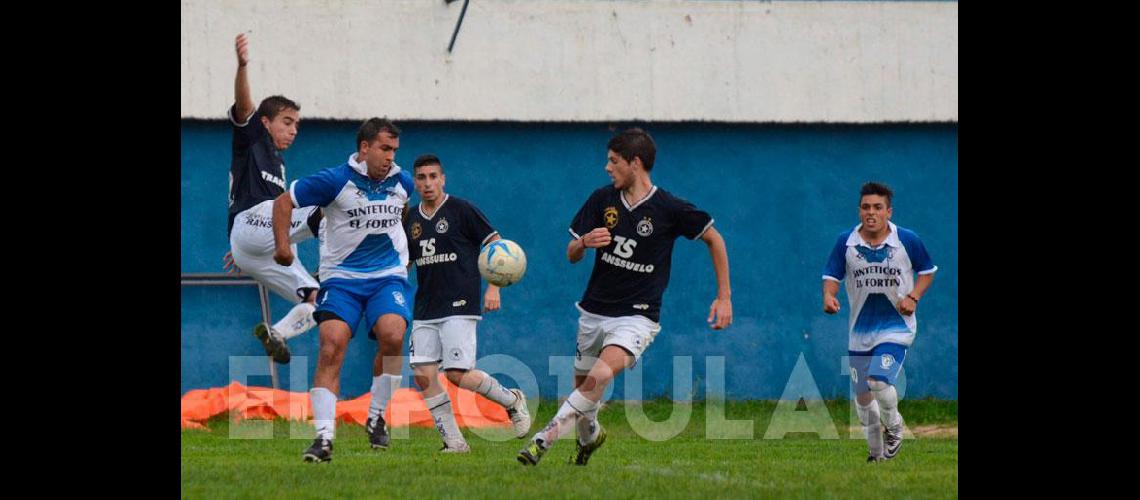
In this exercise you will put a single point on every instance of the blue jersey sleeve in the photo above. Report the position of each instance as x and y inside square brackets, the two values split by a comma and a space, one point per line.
[919, 259]
[836, 267]
[318, 189]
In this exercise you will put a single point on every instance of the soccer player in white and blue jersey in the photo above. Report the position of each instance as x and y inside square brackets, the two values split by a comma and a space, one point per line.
[878, 260]
[364, 259]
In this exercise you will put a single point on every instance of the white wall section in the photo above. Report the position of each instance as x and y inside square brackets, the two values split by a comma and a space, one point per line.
[581, 60]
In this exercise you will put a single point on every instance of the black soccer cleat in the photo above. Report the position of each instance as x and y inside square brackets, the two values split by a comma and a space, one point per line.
[584, 452]
[320, 451]
[272, 342]
[377, 433]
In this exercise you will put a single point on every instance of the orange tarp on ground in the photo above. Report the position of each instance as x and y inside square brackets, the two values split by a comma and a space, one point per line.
[406, 407]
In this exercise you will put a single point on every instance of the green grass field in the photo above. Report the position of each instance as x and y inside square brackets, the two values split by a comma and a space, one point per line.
[687, 465]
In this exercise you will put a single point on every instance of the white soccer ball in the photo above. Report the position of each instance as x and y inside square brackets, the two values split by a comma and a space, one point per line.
[502, 262]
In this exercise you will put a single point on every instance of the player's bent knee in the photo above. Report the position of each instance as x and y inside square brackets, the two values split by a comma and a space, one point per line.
[331, 351]
[877, 385]
[455, 376]
[391, 343]
[423, 381]
[592, 382]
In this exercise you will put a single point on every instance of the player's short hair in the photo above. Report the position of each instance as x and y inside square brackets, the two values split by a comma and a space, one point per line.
[876, 188]
[273, 105]
[634, 142]
[427, 159]
[372, 127]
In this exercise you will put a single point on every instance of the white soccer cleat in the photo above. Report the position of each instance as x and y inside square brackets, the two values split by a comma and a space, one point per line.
[892, 440]
[455, 447]
[520, 415]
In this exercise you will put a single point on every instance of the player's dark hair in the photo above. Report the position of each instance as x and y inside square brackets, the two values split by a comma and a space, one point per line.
[876, 188]
[273, 105]
[427, 159]
[372, 127]
[633, 143]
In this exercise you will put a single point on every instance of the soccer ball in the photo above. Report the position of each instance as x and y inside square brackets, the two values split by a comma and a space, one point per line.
[502, 262]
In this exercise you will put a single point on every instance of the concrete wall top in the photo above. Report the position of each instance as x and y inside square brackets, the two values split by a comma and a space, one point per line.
[669, 60]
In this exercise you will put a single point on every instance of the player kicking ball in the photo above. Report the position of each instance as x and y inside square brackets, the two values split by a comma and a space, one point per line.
[445, 234]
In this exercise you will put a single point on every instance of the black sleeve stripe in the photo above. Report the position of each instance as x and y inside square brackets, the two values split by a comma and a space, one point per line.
[314, 221]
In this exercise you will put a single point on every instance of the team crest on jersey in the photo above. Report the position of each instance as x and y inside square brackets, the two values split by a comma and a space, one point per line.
[399, 298]
[888, 360]
[610, 215]
[417, 230]
[645, 227]
[441, 226]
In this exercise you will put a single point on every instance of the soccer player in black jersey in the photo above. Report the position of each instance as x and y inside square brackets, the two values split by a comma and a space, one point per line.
[632, 225]
[445, 235]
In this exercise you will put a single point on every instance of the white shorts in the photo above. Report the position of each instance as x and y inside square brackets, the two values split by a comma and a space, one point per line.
[251, 243]
[595, 332]
[449, 342]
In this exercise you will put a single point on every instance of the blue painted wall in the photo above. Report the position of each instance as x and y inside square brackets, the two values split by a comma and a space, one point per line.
[780, 194]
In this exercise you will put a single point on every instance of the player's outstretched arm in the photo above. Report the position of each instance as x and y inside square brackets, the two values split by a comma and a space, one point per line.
[243, 102]
[282, 217]
[720, 312]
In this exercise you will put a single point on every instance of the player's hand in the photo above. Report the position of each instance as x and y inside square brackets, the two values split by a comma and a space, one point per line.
[228, 264]
[720, 314]
[284, 256]
[241, 46]
[491, 299]
[830, 305]
[907, 306]
[598, 238]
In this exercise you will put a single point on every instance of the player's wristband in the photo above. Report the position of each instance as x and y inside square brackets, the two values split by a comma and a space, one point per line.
[911, 297]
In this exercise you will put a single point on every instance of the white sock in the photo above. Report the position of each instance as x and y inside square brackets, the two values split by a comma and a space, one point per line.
[298, 321]
[493, 390]
[869, 417]
[566, 418]
[440, 408]
[382, 389]
[324, 412]
[889, 407]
